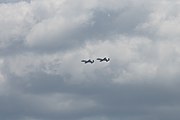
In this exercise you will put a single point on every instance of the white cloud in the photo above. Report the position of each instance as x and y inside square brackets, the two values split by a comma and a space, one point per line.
[164, 20]
[58, 22]
[55, 31]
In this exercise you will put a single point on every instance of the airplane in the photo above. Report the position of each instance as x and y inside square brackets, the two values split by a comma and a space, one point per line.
[103, 59]
[87, 61]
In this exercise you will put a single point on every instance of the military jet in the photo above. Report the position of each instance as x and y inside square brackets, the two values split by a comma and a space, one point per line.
[103, 59]
[87, 61]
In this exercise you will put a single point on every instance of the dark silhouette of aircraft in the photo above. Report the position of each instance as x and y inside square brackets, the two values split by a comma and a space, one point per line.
[103, 59]
[87, 61]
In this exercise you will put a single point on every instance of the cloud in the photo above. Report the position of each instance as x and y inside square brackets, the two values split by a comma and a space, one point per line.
[13, 1]
[69, 28]
[43, 42]
[163, 21]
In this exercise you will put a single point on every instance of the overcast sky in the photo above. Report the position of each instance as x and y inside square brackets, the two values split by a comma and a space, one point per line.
[42, 43]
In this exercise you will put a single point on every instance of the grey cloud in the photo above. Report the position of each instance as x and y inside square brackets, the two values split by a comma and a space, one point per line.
[111, 100]
[13, 1]
[136, 98]
[43, 42]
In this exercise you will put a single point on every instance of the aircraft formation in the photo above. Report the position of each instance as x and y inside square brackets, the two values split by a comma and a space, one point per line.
[100, 60]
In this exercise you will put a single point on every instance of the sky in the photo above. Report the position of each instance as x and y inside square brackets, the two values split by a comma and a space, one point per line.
[42, 43]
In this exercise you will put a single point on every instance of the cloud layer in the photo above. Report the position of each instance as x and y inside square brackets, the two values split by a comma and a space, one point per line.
[42, 43]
